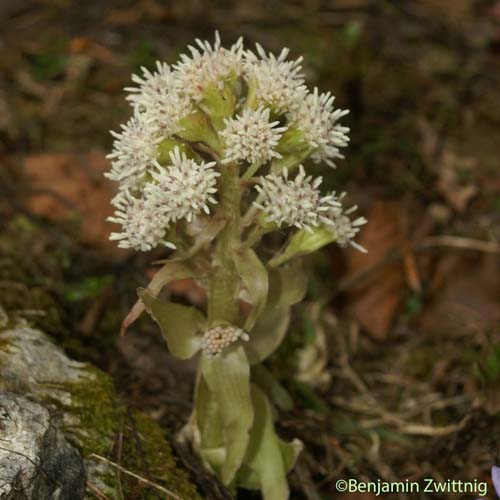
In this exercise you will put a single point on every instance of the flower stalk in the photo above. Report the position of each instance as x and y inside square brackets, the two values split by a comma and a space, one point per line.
[227, 131]
[223, 302]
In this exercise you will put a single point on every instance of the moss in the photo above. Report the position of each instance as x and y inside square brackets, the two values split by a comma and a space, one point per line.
[104, 422]
[28, 277]
[146, 452]
[95, 403]
[4, 347]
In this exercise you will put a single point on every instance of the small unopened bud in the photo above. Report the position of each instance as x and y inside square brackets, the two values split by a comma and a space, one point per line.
[218, 338]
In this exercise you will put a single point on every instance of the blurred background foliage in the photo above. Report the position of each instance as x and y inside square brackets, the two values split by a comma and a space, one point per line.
[393, 360]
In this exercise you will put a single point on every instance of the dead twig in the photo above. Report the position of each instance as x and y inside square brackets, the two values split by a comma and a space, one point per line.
[136, 476]
[96, 491]
[397, 254]
[459, 242]
[308, 486]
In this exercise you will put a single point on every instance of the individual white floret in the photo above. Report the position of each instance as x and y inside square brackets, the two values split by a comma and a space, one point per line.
[276, 82]
[184, 188]
[143, 225]
[296, 202]
[345, 230]
[218, 338]
[208, 65]
[134, 149]
[317, 119]
[251, 137]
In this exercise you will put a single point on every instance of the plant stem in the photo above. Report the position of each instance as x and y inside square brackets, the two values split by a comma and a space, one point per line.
[251, 170]
[223, 302]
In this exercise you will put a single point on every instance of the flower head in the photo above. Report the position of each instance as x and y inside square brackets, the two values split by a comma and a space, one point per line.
[160, 101]
[143, 226]
[134, 149]
[251, 137]
[208, 65]
[183, 188]
[151, 83]
[276, 82]
[218, 338]
[296, 202]
[317, 119]
[337, 221]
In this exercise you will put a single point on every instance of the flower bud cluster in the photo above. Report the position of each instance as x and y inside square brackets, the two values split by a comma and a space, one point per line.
[218, 338]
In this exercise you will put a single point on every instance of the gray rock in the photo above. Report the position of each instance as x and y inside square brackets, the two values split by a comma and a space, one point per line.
[31, 364]
[36, 461]
[84, 410]
[36, 366]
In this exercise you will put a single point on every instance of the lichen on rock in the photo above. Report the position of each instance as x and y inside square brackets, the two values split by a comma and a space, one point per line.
[36, 461]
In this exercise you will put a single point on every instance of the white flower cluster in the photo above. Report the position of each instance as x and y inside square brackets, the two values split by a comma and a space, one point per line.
[317, 119]
[277, 83]
[344, 229]
[183, 189]
[251, 137]
[218, 338]
[142, 228]
[134, 149]
[299, 203]
[296, 202]
[175, 103]
[180, 190]
[208, 66]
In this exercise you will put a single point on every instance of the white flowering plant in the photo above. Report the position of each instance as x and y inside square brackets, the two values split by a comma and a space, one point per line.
[209, 165]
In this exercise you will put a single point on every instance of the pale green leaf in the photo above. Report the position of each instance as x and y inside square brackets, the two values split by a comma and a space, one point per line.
[214, 459]
[288, 284]
[207, 415]
[304, 242]
[254, 276]
[291, 452]
[264, 461]
[180, 325]
[197, 128]
[267, 333]
[209, 439]
[168, 145]
[249, 478]
[263, 378]
[175, 270]
[228, 378]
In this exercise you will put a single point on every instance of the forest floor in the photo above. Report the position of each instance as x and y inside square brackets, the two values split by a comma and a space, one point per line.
[394, 358]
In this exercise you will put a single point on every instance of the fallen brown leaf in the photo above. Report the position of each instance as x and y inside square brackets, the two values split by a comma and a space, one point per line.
[63, 185]
[375, 302]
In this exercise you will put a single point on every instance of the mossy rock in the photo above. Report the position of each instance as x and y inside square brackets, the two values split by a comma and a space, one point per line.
[94, 419]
